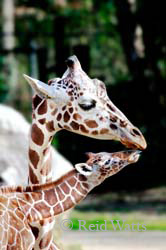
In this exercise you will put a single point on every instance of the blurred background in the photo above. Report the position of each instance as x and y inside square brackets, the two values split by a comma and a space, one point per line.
[122, 43]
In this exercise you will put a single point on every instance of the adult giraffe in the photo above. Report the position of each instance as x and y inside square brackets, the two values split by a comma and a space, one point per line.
[78, 104]
[21, 205]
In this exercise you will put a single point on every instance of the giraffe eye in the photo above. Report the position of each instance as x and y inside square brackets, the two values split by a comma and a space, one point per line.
[88, 106]
[107, 162]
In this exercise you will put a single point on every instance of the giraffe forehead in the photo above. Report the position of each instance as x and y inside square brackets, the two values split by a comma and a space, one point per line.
[77, 81]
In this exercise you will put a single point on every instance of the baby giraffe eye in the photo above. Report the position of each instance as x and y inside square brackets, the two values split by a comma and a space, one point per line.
[87, 106]
[107, 162]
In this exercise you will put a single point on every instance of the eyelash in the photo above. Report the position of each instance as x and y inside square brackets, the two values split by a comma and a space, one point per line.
[88, 107]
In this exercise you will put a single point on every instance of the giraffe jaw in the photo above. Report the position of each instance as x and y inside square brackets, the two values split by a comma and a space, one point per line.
[134, 145]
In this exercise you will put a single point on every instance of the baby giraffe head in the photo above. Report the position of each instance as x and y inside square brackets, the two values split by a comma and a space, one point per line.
[103, 165]
[81, 105]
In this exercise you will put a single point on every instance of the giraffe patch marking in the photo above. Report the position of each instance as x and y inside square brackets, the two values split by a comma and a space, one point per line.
[83, 129]
[68, 203]
[37, 135]
[42, 108]
[91, 123]
[59, 116]
[36, 101]
[95, 132]
[65, 188]
[66, 116]
[110, 107]
[60, 194]
[50, 197]
[50, 126]
[74, 125]
[57, 209]
[54, 111]
[76, 116]
[71, 110]
[71, 181]
[32, 176]
[42, 121]
[34, 157]
[113, 126]
[104, 131]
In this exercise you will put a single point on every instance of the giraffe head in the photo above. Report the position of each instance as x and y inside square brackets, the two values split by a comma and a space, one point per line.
[103, 165]
[81, 105]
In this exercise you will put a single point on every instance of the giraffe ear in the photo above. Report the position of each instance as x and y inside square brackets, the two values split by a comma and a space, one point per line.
[84, 169]
[42, 89]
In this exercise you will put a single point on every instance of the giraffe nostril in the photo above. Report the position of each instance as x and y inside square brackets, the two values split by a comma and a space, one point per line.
[136, 132]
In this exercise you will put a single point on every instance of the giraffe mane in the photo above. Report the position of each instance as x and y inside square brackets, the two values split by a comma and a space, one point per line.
[37, 187]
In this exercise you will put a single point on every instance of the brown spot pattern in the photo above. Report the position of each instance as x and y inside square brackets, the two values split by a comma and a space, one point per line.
[60, 194]
[71, 181]
[71, 110]
[67, 127]
[42, 208]
[59, 116]
[91, 123]
[113, 126]
[85, 185]
[50, 197]
[104, 131]
[82, 178]
[77, 117]
[95, 132]
[66, 117]
[57, 209]
[80, 189]
[74, 125]
[83, 129]
[65, 188]
[110, 107]
[36, 101]
[68, 203]
[54, 111]
[34, 157]
[76, 196]
[42, 121]
[50, 126]
[42, 108]
[123, 124]
[113, 118]
[37, 135]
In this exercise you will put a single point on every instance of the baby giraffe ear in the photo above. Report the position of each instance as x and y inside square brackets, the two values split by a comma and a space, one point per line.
[84, 169]
[42, 89]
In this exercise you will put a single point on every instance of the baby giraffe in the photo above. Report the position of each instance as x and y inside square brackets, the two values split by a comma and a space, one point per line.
[21, 205]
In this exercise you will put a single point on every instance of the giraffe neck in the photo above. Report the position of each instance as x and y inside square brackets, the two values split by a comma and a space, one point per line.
[42, 132]
[40, 169]
[42, 203]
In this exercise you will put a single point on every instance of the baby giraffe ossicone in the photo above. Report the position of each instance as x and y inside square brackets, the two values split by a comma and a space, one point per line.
[19, 206]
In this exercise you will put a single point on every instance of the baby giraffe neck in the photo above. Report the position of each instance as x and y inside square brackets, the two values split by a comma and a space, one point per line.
[42, 203]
